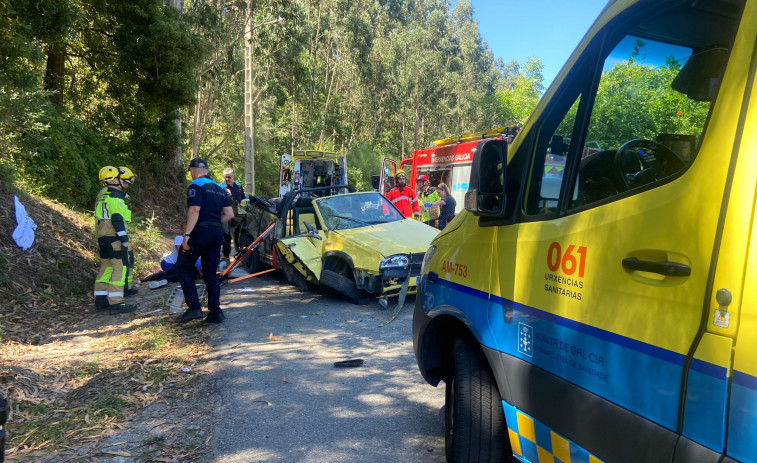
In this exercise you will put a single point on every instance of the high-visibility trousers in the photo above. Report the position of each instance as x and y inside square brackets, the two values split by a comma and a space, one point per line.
[112, 275]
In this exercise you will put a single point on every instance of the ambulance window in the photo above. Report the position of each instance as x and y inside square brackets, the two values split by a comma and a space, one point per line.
[632, 111]
[652, 102]
[548, 165]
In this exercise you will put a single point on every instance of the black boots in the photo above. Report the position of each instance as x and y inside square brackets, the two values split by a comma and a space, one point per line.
[129, 291]
[215, 317]
[190, 315]
[101, 303]
[121, 308]
[102, 306]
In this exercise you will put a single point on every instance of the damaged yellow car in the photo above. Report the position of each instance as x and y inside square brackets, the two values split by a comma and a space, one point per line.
[356, 244]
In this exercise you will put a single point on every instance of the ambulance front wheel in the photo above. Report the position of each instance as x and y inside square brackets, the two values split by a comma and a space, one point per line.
[474, 420]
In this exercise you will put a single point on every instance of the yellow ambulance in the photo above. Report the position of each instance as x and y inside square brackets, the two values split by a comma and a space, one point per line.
[604, 311]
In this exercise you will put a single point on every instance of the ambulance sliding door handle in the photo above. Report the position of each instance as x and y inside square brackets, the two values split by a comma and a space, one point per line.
[667, 268]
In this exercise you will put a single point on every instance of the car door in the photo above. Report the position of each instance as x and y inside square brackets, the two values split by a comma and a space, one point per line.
[607, 310]
[302, 243]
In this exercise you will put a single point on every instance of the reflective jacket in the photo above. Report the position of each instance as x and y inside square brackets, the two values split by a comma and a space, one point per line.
[429, 197]
[403, 199]
[112, 214]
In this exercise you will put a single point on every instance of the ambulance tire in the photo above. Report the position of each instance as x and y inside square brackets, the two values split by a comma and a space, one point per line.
[474, 421]
[344, 286]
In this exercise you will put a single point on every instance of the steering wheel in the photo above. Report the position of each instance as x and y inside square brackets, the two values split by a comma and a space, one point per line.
[640, 161]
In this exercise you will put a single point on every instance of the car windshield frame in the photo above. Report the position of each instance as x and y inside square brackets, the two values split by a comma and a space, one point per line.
[356, 210]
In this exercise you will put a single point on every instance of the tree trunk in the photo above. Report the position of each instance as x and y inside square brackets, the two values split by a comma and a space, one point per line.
[55, 71]
[197, 123]
[175, 165]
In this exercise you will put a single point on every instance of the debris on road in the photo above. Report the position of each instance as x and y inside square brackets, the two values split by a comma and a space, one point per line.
[271, 337]
[348, 363]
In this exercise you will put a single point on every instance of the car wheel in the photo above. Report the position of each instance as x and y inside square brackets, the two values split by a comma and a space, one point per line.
[474, 420]
[292, 276]
[341, 284]
[252, 262]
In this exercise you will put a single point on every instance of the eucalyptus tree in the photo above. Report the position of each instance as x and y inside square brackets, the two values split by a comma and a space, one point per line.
[523, 87]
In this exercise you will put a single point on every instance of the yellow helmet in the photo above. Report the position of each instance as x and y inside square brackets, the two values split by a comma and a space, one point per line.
[126, 174]
[108, 174]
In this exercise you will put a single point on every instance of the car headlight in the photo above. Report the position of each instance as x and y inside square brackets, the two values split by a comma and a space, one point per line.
[396, 261]
[427, 259]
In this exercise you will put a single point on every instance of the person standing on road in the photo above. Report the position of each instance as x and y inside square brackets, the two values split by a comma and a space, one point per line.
[208, 208]
[128, 177]
[111, 215]
[446, 205]
[403, 197]
[426, 196]
[236, 193]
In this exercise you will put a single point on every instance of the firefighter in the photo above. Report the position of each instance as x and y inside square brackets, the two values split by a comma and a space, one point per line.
[403, 197]
[111, 216]
[426, 196]
[128, 177]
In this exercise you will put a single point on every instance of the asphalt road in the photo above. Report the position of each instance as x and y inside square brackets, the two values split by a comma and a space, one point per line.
[282, 399]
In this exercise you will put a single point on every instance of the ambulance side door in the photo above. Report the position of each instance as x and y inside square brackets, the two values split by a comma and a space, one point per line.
[606, 302]
[732, 314]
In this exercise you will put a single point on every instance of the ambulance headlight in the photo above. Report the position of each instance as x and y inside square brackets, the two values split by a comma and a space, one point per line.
[395, 261]
[427, 259]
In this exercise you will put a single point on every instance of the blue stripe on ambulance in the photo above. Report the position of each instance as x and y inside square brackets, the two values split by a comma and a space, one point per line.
[741, 443]
[706, 396]
[598, 360]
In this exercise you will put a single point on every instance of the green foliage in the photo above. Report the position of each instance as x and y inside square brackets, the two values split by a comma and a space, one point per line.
[128, 68]
[110, 405]
[650, 106]
[146, 240]
[152, 338]
[86, 369]
[52, 427]
[362, 162]
[520, 96]
[368, 79]
[52, 161]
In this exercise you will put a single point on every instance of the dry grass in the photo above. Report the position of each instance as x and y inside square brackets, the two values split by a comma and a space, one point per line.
[73, 375]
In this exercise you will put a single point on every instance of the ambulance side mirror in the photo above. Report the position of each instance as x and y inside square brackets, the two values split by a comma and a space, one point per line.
[376, 182]
[486, 192]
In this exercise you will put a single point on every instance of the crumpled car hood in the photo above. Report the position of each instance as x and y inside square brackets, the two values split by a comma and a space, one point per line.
[400, 237]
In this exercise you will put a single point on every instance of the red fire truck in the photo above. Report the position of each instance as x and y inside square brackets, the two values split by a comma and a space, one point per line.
[448, 161]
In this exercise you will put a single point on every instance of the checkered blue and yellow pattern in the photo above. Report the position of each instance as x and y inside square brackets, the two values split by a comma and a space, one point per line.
[536, 443]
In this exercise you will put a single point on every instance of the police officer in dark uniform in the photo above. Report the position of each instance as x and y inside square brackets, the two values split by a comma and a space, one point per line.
[208, 207]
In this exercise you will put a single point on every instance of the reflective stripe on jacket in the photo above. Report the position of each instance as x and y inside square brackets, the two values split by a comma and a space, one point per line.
[423, 198]
[403, 199]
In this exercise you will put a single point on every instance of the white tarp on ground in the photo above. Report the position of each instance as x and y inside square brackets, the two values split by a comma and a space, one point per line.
[24, 232]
